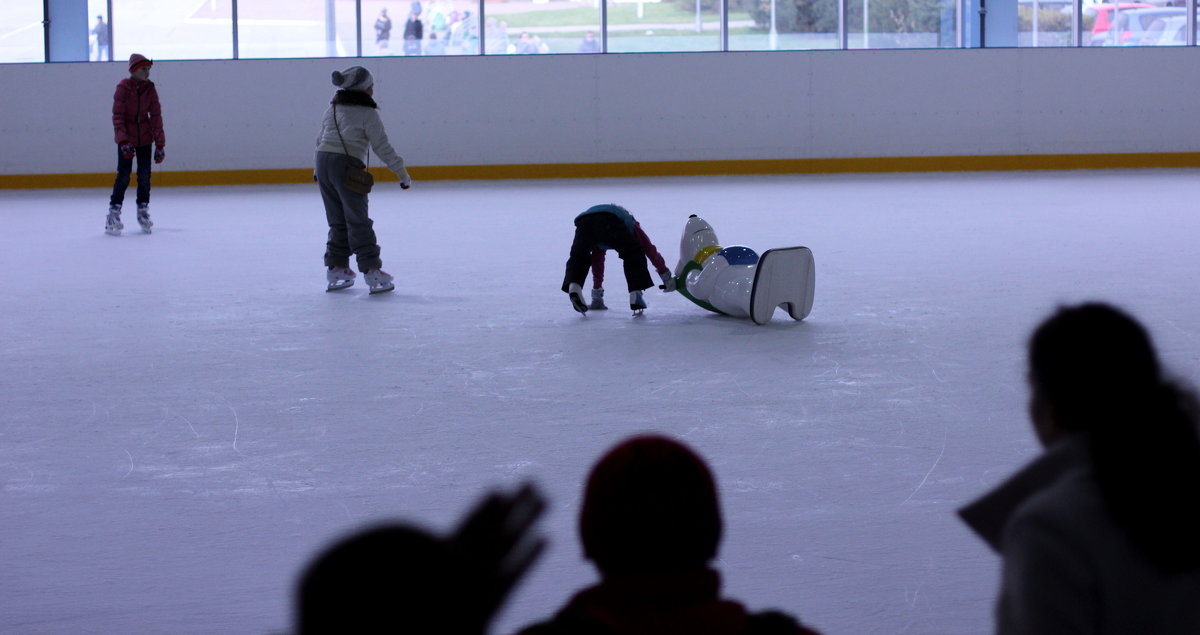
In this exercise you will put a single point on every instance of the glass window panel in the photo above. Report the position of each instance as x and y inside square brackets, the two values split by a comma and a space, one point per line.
[21, 36]
[642, 26]
[798, 25]
[442, 27]
[172, 30]
[297, 28]
[1045, 22]
[899, 24]
[543, 26]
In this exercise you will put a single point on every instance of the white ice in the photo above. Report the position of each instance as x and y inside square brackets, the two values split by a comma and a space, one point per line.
[187, 417]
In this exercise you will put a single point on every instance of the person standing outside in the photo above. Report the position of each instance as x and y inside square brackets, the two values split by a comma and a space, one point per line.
[350, 129]
[589, 43]
[137, 123]
[383, 30]
[414, 32]
[100, 30]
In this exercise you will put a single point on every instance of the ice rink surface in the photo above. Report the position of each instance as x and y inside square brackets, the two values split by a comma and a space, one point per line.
[187, 417]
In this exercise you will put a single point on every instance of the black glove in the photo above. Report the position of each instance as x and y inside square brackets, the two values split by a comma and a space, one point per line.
[128, 151]
[159, 155]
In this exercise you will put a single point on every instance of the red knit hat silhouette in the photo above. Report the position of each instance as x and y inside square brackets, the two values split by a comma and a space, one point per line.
[650, 505]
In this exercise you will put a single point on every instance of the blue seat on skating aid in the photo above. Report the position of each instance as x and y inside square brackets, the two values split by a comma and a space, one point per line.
[739, 255]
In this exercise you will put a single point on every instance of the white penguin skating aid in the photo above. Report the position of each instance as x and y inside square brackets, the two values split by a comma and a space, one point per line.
[784, 278]
[737, 282]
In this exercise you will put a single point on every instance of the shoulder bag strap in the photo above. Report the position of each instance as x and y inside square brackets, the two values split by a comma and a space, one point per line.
[339, 131]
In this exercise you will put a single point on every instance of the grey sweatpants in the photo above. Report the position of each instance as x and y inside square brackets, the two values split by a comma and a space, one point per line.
[350, 229]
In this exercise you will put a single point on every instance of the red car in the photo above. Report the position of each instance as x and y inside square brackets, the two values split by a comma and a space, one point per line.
[1104, 19]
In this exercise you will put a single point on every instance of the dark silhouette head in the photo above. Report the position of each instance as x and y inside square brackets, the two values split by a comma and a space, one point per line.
[1093, 371]
[1089, 362]
[650, 504]
[387, 577]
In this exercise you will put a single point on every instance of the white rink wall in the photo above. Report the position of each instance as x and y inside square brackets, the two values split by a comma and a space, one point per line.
[263, 114]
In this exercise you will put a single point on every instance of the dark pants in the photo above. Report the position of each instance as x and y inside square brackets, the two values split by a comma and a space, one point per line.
[610, 231]
[124, 167]
[350, 229]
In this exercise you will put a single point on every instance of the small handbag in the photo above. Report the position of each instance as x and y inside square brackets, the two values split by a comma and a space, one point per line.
[358, 179]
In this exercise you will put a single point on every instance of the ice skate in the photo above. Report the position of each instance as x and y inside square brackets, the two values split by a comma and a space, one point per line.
[379, 281]
[112, 224]
[143, 218]
[575, 292]
[339, 278]
[598, 300]
[637, 303]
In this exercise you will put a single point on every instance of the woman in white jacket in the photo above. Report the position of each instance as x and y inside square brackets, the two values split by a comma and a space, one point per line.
[1100, 533]
[350, 129]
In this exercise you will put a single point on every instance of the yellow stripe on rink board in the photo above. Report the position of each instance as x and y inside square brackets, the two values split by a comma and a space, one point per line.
[642, 169]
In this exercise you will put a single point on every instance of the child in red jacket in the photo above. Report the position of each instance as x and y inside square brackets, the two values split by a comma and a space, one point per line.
[137, 123]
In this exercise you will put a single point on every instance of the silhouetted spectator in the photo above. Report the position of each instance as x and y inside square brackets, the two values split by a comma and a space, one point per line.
[400, 579]
[1100, 533]
[650, 523]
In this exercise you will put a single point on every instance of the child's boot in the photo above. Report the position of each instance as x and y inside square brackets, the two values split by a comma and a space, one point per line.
[597, 300]
[112, 224]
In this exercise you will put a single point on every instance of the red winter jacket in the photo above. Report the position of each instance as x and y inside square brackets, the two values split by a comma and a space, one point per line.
[137, 115]
[683, 603]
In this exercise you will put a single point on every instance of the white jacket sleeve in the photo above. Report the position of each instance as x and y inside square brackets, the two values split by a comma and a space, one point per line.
[1045, 586]
[377, 136]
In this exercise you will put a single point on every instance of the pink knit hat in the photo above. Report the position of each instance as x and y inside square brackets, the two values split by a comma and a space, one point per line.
[137, 60]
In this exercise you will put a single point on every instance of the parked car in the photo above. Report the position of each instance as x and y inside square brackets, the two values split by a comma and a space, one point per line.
[1169, 31]
[1131, 25]
[1104, 17]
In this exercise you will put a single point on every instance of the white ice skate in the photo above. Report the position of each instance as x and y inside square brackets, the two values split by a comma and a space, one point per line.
[637, 303]
[575, 292]
[112, 224]
[339, 278]
[143, 218]
[379, 281]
